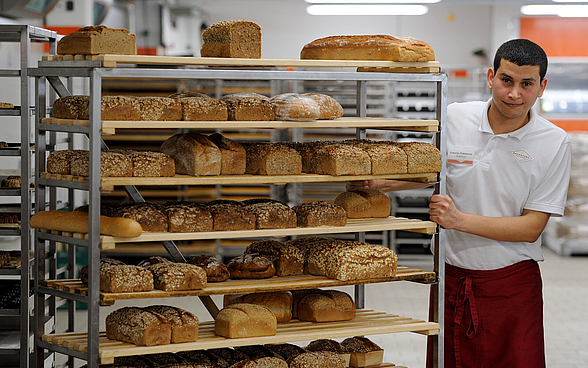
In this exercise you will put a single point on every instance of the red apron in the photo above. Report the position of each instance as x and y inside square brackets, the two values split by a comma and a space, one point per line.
[493, 318]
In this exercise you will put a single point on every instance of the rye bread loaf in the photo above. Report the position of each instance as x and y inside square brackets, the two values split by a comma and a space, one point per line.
[248, 107]
[177, 276]
[59, 162]
[230, 355]
[364, 203]
[187, 217]
[184, 325]
[340, 159]
[125, 278]
[279, 302]
[200, 107]
[251, 266]
[138, 326]
[193, 153]
[317, 359]
[149, 215]
[245, 320]
[104, 262]
[422, 157]
[326, 306]
[203, 358]
[320, 213]
[272, 215]
[159, 108]
[287, 258]
[112, 164]
[232, 39]
[68, 107]
[216, 271]
[386, 157]
[359, 344]
[285, 350]
[94, 40]
[368, 47]
[231, 217]
[233, 156]
[326, 345]
[256, 351]
[265, 158]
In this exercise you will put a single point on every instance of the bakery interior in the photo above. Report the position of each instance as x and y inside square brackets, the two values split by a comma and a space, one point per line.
[463, 34]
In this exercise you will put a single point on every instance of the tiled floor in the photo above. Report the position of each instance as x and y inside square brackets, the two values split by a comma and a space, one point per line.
[566, 321]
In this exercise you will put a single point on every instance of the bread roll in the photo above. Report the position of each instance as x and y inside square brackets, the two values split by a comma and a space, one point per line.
[279, 302]
[245, 320]
[94, 40]
[138, 326]
[184, 325]
[294, 106]
[232, 39]
[368, 47]
[320, 213]
[233, 156]
[364, 203]
[251, 266]
[77, 222]
[215, 270]
[329, 107]
[326, 306]
[193, 153]
[177, 276]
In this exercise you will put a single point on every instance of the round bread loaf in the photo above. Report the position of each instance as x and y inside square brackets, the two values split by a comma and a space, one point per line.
[13, 181]
[251, 266]
[216, 271]
[293, 106]
[328, 106]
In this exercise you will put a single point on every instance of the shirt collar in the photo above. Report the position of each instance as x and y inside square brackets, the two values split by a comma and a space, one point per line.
[518, 134]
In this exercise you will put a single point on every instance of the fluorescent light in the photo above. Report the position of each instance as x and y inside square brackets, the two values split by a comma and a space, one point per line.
[357, 9]
[372, 1]
[559, 10]
[569, 1]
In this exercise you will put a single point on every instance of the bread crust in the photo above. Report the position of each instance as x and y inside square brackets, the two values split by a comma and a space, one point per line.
[245, 320]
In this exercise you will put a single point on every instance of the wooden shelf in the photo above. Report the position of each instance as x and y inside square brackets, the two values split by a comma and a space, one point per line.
[366, 322]
[110, 126]
[243, 286]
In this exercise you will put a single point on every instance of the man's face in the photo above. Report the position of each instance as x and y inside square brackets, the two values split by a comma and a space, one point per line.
[515, 88]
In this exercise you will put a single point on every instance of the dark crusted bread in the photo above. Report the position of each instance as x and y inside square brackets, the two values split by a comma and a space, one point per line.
[138, 326]
[187, 217]
[215, 270]
[287, 259]
[230, 355]
[251, 266]
[286, 350]
[153, 260]
[177, 276]
[320, 213]
[272, 215]
[184, 325]
[326, 345]
[149, 215]
[104, 262]
[359, 344]
[230, 217]
[317, 359]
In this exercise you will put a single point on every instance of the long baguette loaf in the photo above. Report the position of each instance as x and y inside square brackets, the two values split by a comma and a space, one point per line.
[77, 222]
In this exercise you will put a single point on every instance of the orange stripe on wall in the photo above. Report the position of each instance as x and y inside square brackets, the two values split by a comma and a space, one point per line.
[558, 36]
[571, 125]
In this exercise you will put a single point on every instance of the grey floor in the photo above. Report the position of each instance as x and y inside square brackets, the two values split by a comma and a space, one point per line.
[566, 307]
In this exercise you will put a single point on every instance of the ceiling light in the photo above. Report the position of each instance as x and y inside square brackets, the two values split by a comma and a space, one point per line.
[372, 1]
[569, 1]
[559, 10]
[372, 9]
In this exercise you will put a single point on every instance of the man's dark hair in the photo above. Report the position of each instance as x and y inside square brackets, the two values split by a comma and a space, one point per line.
[522, 52]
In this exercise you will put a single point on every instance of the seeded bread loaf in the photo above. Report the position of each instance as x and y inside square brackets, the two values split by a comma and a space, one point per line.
[307, 150]
[422, 157]
[187, 217]
[326, 345]
[320, 213]
[177, 276]
[265, 158]
[149, 163]
[340, 159]
[248, 107]
[287, 258]
[233, 156]
[153, 260]
[138, 326]
[94, 40]
[104, 262]
[326, 306]
[231, 356]
[215, 270]
[279, 302]
[59, 162]
[112, 164]
[386, 157]
[184, 325]
[364, 203]
[117, 108]
[245, 320]
[359, 344]
[125, 278]
[159, 108]
[231, 217]
[232, 39]
[251, 266]
[265, 362]
[272, 215]
[193, 153]
[149, 215]
[256, 351]
[317, 359]
[203, 358]
[368, 47]
[200, 107]
[286, 350]
[68, 107]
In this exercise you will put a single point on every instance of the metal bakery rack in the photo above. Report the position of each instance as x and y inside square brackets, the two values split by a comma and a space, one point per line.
[92, 346]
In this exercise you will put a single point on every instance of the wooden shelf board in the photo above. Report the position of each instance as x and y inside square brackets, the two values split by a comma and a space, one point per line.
[110, 126]
[366, 322]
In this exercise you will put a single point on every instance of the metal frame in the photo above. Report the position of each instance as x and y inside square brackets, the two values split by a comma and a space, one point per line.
[93, 71]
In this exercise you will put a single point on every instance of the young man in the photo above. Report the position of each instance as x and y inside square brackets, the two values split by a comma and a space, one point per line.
[507, 173]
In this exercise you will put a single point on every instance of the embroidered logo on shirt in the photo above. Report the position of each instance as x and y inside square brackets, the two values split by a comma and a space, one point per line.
[521, 155]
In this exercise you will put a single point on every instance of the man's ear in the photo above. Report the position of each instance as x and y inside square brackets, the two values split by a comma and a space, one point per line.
[489, 78]
[543, 85]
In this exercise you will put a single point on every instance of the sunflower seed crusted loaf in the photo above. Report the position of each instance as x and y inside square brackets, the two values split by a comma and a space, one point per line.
[149, 215]
[200, 107]
[138, 326]
[184, 325]
[177, 276]
[125, 278]
[386, 157]
[187, 217]
[422, 157]
[149, 163]
[317, 359]
[159, 108]
[359, 344]
[320, 213]
[340, 159]
[112, 164]
[59, 162]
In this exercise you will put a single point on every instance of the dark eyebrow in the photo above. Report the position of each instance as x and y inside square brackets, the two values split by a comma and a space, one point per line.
[530, 79]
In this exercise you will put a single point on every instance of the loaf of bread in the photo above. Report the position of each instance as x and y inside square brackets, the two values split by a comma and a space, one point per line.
[287, 258]
[68, 107]
[245, 320]
[231, 217]
[329, 107]
[386, 157]
[6, 105]
[112, 164]
[149, 163]
[138, 326]
[149, 215]
[265, 362]
[326, 345]
[307, 151]
[193, 153]
[233, 156]
[77, 222]
[59, 162]
[320, 213]
[202, 358]
[119, 108]
[285, 350]
[251, 266]
[273, 215]
[153, 260]
[12, 181]
[94, 40]
[8, 218]
[368, 47]
[125, 278]
[248, 107]
[326, 306]
[294, 106]
[177, 276]
[364, 203]
[422, 157]
[340, 159]
[215, 270]
[359, 344]
[187, 217]
[104, 262]
[200, 107]
[159, 108]
[3, 144]
[265, 158]
[232, 39]
[184, 325]
[166, 359]
[231, 356]
[317, 359]
[131, 361]
[279, 302]
[257, 351]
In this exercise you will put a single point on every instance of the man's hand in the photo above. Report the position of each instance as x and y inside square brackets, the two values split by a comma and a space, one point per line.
[361, 184]
[442, 210]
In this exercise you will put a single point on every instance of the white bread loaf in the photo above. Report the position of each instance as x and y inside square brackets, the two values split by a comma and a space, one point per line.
[329, 107]
[294, 106]
[193, 153]
[245, 320]
[279, 302]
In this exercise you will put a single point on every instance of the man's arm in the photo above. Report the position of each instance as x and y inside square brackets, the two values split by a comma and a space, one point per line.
[385, 185]
[524, 228]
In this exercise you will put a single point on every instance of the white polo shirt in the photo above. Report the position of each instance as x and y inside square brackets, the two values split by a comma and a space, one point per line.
[499, 176]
